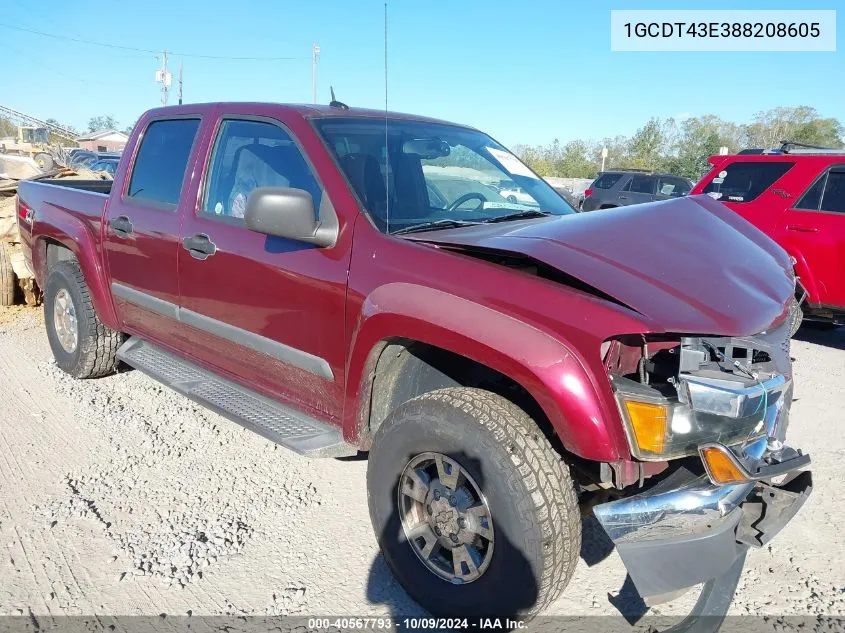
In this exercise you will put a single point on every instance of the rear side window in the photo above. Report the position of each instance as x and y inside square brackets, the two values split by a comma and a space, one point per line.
[162, 161]
[606, 181]
[744, 181]
[834, 192]
[641, 184]
[810, 200]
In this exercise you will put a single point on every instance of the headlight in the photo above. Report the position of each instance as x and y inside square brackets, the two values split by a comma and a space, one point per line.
[660, 426]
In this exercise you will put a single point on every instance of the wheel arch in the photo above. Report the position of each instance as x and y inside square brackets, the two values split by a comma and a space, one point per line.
[412, 339]
[50, 248]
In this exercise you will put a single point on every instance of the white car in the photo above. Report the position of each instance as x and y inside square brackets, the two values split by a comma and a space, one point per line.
[514, 193]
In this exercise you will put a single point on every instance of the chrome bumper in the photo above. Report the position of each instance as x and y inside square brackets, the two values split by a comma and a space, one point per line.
[686, 530]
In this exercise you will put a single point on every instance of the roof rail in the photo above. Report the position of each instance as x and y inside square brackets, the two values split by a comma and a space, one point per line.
[792, 147]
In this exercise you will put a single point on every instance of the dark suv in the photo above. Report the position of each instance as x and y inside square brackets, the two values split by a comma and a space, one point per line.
[624, 187]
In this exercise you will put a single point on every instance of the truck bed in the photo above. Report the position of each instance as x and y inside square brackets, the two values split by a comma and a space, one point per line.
[51, 201]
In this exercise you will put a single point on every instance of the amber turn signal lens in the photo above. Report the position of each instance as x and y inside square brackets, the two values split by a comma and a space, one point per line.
[648, 421]
[721, 467]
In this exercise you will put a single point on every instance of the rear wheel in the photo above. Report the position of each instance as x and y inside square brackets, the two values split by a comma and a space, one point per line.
[474, 511]
[81, 344]
[7, 277]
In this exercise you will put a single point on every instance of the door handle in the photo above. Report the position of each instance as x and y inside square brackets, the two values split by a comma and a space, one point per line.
[199, 246]
[623, 197]
[801, 228]
[121, 226]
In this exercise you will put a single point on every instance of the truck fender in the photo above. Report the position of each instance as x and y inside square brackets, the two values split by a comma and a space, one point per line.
[552, 373]
[67, 231]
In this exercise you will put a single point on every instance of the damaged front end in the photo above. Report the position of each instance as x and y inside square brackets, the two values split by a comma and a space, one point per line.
[715, 410]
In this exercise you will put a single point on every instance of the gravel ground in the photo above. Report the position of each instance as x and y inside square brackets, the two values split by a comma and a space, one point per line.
[118, 496]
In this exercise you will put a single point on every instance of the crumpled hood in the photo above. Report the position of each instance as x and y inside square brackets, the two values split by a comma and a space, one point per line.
[689, 265]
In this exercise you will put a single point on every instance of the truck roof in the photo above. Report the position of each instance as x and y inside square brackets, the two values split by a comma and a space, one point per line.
[305, 110]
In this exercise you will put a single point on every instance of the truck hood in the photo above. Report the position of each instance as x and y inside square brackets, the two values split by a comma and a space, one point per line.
[688, 265]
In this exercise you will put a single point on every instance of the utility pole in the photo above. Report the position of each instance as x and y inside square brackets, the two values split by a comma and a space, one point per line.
[164, 78]
[180, 83]
[315, 56]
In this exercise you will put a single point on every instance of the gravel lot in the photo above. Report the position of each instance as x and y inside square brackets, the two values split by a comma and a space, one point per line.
[118, 496]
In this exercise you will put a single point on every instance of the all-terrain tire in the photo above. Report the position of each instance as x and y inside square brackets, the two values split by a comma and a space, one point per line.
[96, 348]
[8, 284]
[531, 498]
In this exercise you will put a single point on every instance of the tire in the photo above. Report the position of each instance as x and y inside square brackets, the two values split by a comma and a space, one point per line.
[796, 316]
[94, 354]
[536, 523]
[44, 161]
[8, 284]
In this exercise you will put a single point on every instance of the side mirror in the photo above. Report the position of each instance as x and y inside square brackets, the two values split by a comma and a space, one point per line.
[290, 213]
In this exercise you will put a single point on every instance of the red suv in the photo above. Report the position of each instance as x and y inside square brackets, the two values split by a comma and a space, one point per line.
[796, 195]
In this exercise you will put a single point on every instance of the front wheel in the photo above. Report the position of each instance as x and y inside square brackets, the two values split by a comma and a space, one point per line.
[474, 511]
[82, 346]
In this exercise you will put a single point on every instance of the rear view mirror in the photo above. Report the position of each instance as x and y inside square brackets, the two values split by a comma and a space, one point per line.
[290, 213]
[429, 148]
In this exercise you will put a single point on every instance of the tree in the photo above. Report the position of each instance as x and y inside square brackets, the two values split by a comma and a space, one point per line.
[801, 124]
[102, 122]
[683, 148]
[648, 145]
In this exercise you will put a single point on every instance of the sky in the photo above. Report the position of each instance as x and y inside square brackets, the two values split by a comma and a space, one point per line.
[525, 72]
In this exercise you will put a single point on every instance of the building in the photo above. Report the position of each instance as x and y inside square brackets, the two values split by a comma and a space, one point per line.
[103, 141]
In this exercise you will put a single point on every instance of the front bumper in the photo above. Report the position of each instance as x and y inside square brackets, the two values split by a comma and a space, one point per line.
[686, 530]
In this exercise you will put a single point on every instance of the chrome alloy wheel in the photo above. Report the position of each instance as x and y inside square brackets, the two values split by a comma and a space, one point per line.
[64, 320]
[445, 518]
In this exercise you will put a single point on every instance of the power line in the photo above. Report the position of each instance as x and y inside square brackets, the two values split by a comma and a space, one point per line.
[146, 51]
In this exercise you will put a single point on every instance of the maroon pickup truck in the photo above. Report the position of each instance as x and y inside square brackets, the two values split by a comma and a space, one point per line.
[345, 281]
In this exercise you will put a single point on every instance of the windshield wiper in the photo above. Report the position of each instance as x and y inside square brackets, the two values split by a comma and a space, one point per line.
[435, 225]
[518, 216]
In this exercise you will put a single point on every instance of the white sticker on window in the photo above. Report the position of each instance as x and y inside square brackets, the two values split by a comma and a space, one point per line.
[723, 173]
[714, 194]
[511, 163]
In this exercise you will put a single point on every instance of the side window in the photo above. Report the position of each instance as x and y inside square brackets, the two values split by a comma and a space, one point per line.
[810, 200]
[672, 187]
[162, 161]
[251, 154]
[682, 187]
[834, 192]
[606, 181]
[743, 181]
[642, 184]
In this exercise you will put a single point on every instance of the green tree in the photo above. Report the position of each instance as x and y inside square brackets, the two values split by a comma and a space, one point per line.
[102, 122]
[801, 124]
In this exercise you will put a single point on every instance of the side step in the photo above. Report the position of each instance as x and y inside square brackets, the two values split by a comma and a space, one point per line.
[277, 422]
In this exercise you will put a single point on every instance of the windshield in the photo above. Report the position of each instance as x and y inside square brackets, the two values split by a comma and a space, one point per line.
[433, 173]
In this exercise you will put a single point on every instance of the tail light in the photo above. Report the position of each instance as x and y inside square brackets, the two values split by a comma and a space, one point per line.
[24, 212]
[588, 193]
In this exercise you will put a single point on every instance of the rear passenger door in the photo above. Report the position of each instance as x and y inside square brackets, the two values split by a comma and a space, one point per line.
[639, 189]
[815, 229]
[142, 228]
[265, 310]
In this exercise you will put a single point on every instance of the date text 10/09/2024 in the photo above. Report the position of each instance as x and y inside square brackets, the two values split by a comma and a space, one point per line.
[415, 624]
[723, 29]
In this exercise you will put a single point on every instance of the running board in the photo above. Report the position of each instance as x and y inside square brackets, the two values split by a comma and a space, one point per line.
[277, 422]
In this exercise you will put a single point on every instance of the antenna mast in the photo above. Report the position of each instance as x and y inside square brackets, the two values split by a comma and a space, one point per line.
[386, 151]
